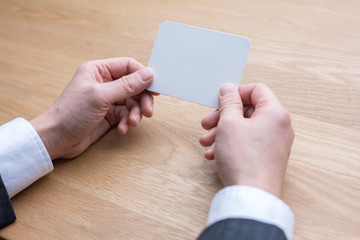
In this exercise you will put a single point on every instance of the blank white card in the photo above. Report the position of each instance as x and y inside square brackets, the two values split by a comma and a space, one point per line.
[192, 63]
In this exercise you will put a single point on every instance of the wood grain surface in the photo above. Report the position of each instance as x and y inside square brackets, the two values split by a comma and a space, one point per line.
[154, 183]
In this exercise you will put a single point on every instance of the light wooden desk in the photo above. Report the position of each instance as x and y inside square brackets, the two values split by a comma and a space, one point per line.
[154, 183]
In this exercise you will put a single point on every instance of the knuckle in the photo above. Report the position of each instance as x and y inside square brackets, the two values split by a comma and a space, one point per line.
[284, 122]
[86, 65]
[128, 83]
[229, 101]
[284, 117]
[131, 59]
[132, 63]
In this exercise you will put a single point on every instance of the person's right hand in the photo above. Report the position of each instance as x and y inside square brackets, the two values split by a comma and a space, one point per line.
[250, 137]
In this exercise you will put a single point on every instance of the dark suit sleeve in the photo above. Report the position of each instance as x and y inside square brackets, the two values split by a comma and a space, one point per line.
[244, 229]
[7, 214]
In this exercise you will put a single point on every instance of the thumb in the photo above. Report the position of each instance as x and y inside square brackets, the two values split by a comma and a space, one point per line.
[129, 85]
[230, 101]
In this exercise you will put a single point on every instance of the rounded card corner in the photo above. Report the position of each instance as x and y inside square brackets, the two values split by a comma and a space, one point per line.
[248, 41]
[164, 23]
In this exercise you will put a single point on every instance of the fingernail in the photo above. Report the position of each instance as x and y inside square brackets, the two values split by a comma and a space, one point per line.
[226, 89]
[145, 74]
[137, 118]
[124, 130]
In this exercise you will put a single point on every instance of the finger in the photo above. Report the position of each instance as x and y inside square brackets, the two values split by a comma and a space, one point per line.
[147, 104]
[154, 93]
[248, 111]
[100, 130]
[229, 101]
[257, 94]
[118, 67]
[210, 152]
[123, 125]
[208, 138]
[112, 115]
[128, 86]
[135, 112]
[210, 120]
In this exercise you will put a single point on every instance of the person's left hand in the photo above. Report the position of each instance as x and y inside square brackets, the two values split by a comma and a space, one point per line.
[102, 94]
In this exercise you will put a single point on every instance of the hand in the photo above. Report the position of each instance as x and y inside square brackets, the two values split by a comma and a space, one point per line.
[250, 137]
[102, 94]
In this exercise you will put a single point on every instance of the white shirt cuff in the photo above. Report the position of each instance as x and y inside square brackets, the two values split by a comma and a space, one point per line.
[251, 203]
[23, 156]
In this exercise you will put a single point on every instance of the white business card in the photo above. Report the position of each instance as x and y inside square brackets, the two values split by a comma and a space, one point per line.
[192, 63]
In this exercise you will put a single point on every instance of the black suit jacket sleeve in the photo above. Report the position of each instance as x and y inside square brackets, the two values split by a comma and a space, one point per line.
[7, 214]
[244, 229]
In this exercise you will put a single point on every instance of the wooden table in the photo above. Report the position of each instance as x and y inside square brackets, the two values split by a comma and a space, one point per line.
[154, 183]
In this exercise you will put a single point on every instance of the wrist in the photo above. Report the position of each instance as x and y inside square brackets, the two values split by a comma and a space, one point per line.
[274, 189]
[47, 129]
[272, 185]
